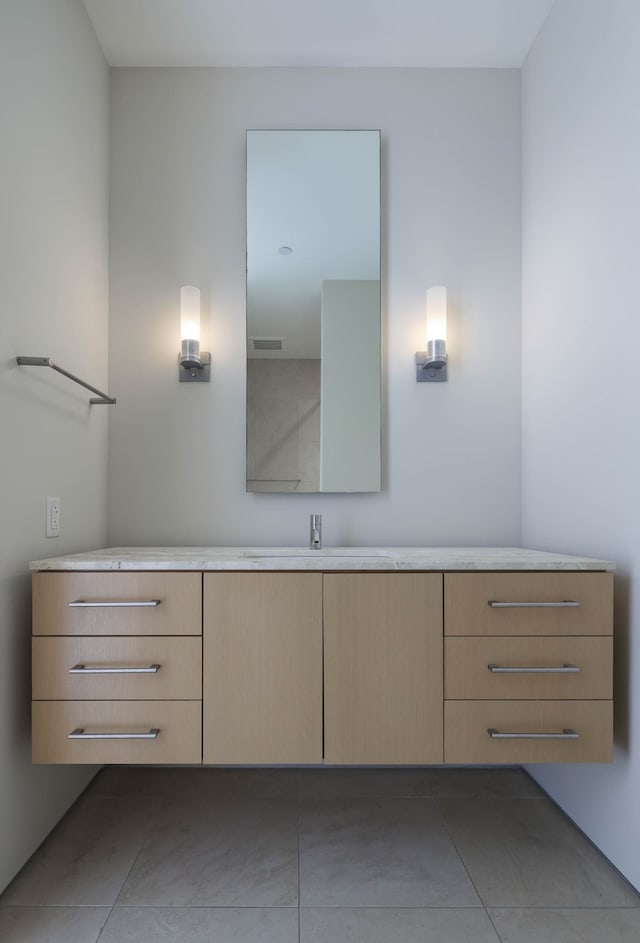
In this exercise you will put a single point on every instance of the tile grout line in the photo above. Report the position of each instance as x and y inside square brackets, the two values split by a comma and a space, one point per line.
[293, 907]
[463, 863]
[599, 851]
[128, 874]
[438, 799]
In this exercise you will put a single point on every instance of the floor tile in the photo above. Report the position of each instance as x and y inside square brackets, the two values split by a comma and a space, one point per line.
[201, 925]
[452, 782]
[195, 783]
[567, 926]
[351, 783]
[203, 855]
[231, 852]
[469, 783]
[379, 852]
[51, 924]
[525, 853]
[87, 857]
[376, 925]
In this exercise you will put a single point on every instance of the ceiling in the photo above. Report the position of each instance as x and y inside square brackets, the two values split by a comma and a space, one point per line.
[410, 33]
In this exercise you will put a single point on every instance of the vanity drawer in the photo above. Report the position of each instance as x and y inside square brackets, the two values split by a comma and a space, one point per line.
[117, 668]
[117, 603]
[558, 603]
[178, 740]
[525, 667]
[467, 739]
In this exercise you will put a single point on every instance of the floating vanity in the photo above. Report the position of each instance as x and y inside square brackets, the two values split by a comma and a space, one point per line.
[349, 656]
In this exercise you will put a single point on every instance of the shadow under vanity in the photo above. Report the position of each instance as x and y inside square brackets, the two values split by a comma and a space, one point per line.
[346, 657]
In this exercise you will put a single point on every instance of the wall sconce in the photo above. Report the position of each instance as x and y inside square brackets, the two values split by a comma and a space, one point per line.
[431, 364]
[194, 366]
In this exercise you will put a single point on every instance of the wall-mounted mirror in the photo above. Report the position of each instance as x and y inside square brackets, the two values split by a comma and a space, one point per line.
[313, 311]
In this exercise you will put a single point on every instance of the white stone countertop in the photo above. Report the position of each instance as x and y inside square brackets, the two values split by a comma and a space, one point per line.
[331, 558]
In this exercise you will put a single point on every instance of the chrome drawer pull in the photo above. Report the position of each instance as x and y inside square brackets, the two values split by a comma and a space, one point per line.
[553, 669]
[564, 604]
[79, 734]
[97, 670]
[114, 604]
[567, 734]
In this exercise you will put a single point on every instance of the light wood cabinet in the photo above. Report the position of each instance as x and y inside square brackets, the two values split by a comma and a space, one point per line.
[539, 668]
[117, 667]
[154, 603]
[117, 732]
[528, 667]
[353, 668]
[569, 731]
[262, 668]
[540, 603]
[383, 668]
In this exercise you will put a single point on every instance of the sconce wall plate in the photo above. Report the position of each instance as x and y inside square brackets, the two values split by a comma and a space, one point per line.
[193, 372]
[429, 372]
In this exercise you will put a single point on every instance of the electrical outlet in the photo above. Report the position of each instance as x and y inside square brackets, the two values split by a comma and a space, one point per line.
[53, 517]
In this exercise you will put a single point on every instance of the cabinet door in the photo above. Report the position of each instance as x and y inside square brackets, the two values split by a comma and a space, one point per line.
[383, 668]
[262, 685]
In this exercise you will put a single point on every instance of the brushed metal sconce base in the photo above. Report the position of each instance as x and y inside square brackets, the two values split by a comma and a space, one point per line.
[432, 373]
[191, 372]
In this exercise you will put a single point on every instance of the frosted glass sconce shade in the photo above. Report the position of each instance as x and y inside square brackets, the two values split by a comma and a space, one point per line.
[190, 313]
[437, 313]
[431, 364]
[193, 365]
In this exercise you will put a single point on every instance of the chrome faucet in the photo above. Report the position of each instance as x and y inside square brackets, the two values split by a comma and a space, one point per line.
[315, 529]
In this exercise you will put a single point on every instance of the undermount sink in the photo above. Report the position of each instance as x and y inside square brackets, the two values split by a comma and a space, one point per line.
[330, 553]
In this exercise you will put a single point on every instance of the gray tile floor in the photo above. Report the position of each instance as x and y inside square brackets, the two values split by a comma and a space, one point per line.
[317, 856]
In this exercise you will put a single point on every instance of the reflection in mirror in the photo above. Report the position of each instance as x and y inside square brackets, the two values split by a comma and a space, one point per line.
[313, 311]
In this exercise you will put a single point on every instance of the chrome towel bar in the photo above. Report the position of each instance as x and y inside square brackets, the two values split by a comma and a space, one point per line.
[101, 399]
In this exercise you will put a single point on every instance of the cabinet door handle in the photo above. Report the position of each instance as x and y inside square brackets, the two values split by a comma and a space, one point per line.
[562, 604]
[566, 734]
[114, 603]
[79, 734]
[98, 670]
[534, 669]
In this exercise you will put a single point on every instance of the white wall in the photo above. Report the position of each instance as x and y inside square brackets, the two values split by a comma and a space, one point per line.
[53, 275]
[451, 215]
[581, 337]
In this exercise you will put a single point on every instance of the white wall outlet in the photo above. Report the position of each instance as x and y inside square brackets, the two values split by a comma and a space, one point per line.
[53, 517]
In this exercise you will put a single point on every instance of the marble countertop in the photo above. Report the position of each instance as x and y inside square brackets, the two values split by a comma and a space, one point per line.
[332, 558]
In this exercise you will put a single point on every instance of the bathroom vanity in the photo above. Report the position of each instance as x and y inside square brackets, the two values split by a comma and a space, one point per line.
[348, 656]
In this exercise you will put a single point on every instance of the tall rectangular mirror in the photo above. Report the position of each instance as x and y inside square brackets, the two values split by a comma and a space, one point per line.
[313, 311]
